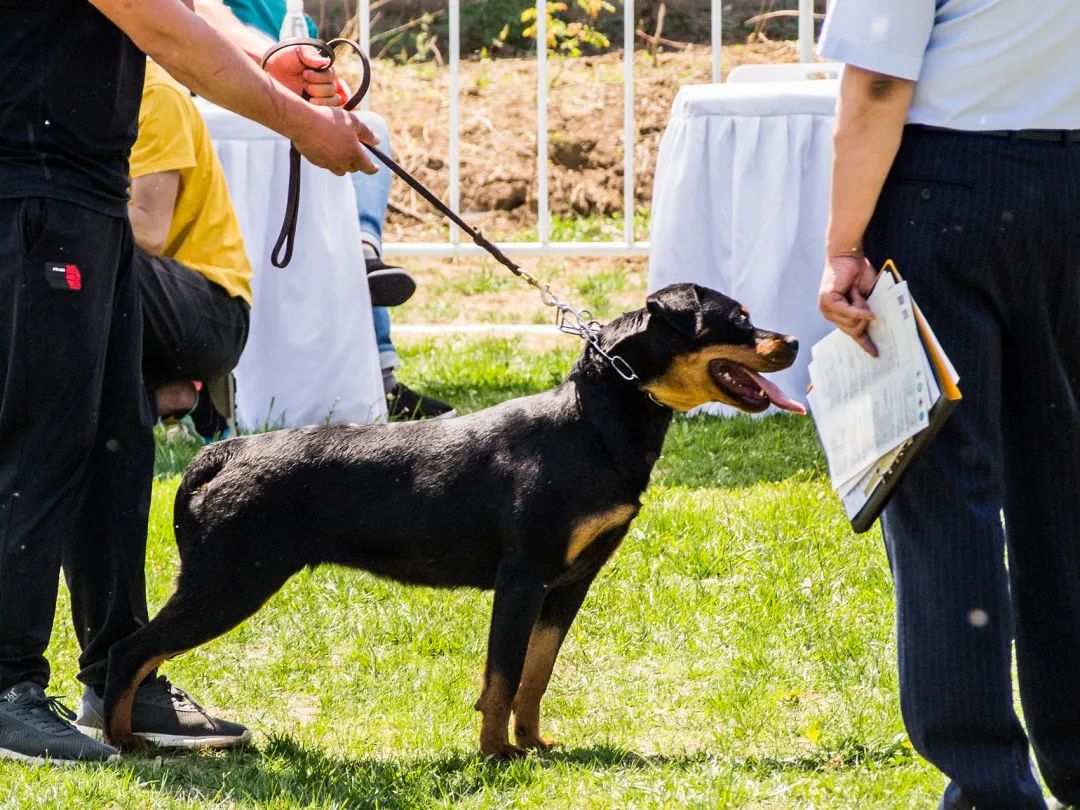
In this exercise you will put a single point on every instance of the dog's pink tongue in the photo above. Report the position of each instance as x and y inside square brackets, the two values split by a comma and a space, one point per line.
[778, 397]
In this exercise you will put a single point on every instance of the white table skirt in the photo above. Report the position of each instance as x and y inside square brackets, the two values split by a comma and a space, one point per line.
[311, 356]
[740, 203]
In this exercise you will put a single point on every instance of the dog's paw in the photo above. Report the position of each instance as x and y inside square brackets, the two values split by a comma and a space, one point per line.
[127, 743]
[534, 742]
[504, 752]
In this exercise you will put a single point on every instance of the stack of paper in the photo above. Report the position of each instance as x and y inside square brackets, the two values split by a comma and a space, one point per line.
[871, 411]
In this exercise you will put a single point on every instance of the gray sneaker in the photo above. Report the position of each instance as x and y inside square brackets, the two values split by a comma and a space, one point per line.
[35, 728]
[166, 717]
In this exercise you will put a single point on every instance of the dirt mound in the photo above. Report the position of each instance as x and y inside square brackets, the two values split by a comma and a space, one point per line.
[498, 133]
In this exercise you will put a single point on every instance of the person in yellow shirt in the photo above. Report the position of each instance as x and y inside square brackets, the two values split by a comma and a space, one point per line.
[193, 272]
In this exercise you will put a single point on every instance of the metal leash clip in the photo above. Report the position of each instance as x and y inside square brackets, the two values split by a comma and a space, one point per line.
[588, 329]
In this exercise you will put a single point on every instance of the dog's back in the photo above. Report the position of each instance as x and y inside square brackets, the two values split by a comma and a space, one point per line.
[431, 503]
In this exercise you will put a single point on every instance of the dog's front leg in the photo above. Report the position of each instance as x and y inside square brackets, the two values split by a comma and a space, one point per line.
[519, 594]
[557, 614]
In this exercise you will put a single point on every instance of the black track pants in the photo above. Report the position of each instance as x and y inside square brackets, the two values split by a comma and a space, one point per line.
[76, 448]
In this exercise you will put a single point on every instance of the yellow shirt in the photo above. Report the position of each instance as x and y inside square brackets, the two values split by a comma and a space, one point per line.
[205, 234]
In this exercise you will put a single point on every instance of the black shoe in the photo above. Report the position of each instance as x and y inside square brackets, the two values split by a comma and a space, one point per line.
[389, 285]
[36, 728]
[403, 403]
[165, 716]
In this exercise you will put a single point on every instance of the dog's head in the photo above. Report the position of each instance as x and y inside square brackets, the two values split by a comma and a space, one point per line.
[692, 345]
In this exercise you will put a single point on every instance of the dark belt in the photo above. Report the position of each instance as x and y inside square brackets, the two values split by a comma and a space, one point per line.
[1049, 135]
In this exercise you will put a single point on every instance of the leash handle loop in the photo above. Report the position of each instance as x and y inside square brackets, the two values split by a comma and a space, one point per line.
[281, 255]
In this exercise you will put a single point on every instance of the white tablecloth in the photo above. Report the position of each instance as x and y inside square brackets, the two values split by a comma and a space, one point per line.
[311, 355]
[740, 203]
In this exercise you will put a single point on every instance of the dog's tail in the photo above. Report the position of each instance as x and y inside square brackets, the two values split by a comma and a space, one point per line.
[192, 489]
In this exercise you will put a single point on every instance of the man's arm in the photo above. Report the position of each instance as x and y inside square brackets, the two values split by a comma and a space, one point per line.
[254, 43]
[213, 67]
[153, 201]
[870, 118]
[300, 69]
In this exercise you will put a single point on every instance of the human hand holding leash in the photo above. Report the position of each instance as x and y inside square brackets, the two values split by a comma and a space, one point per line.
[332, 138]
[217, 69]
[306, 72]
[309, 65]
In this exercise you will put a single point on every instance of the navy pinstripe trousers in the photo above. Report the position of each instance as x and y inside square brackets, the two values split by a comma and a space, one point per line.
[983, 535]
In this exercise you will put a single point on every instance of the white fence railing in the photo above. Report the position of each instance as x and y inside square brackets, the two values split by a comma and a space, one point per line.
[628, 245]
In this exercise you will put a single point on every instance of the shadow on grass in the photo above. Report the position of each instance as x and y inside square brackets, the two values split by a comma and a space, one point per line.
[850, 754]
[288, 771]
[285, 770]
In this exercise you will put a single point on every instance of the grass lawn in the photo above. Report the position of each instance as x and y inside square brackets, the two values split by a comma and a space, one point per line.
[737, 652]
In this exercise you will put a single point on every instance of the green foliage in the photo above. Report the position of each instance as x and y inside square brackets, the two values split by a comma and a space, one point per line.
[174, 448]
[567, 36]
[591, 228]
[416, 43]
[490, 22]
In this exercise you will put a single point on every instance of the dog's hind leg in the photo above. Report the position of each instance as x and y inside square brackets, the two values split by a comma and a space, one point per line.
[557, 614]
[206, 604]
[519, 593]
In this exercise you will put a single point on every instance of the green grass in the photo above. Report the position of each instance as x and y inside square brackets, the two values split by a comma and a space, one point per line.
[737, 652]
[583, 228]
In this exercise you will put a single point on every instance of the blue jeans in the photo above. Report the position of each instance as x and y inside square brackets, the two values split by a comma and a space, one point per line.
[985, 231]
[372, 197]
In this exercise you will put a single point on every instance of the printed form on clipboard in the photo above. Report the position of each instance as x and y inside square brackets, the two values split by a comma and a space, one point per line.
[875, 414]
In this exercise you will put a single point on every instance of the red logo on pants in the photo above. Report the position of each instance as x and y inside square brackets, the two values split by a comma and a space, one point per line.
[63, 276]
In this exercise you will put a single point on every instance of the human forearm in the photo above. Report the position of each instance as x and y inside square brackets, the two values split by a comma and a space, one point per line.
[220, 17]
[869, 124]
[215, 68]
[302, 69]
[871, 113]
[143, 230]
[153, 202]
[196, 55]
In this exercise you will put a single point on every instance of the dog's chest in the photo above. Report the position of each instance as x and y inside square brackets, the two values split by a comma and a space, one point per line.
[593, 537]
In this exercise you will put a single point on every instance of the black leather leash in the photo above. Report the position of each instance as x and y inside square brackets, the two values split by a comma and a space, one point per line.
[292, 205]
[287, 235]
[571, 321]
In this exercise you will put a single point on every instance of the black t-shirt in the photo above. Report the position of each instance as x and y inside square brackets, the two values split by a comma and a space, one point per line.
[70, 86]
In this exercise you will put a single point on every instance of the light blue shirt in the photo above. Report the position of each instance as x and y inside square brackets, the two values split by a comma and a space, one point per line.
[977, 64]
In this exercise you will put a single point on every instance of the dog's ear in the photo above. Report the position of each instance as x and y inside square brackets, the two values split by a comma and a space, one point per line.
[679, 305]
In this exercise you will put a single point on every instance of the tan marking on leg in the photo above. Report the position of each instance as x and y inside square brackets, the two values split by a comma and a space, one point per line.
[587, 529]
[118, 732]
[495, 703]
[544, 646]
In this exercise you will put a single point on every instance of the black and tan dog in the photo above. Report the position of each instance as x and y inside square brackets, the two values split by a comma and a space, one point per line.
[530, 497]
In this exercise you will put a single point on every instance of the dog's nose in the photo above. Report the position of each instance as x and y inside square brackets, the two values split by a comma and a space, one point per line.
[792, 343]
